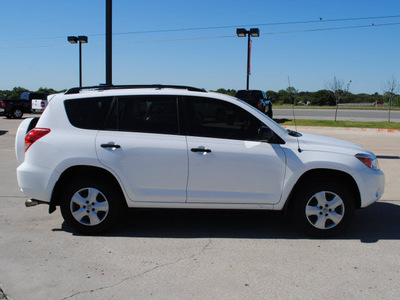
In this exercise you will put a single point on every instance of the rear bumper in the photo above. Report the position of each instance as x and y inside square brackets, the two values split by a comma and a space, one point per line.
[36, 182]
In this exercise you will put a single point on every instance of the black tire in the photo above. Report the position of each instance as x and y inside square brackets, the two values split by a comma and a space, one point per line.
[17, 113]
[270, 114]
[90, 206]
[326, 216]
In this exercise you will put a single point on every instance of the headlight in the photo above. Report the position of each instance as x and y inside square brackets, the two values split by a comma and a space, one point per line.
[369, 160]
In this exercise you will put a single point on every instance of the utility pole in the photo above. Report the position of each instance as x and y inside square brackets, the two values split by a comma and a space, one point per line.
[108, 42]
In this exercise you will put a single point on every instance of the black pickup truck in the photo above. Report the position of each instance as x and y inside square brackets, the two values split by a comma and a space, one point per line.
[258, 99]
[15, 108]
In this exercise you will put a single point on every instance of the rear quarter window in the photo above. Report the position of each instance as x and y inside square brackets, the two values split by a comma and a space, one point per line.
[88, 113]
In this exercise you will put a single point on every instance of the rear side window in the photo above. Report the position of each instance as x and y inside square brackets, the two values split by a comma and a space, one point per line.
[88, 113]
[150, 114]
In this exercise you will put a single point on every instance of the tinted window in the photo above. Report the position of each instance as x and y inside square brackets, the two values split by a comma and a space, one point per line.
[145, 114]
[31, 95]
[88, 113]
[220, 119]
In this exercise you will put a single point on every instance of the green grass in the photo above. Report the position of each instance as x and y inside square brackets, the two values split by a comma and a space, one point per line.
[324, 123]
[341, 107]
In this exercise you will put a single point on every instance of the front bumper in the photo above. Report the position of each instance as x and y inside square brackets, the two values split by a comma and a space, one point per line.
[371, 185]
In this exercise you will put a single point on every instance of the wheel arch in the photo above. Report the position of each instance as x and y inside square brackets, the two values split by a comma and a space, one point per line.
[76, 171]
[327, 174]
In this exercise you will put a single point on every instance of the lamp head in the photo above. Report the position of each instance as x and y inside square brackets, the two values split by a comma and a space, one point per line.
[255, 32]
[83, 39]
[73, 39]
[241, 32]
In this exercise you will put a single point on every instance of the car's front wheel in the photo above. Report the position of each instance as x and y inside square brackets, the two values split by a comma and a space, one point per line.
[323, 208]
[90, 206]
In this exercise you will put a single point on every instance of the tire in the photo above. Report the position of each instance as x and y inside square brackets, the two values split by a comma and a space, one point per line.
[322, 209]
[17, 113]
[90, 206]
[268, 110]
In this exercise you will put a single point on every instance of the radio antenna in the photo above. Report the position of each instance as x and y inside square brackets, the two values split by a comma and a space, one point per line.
[294, 116]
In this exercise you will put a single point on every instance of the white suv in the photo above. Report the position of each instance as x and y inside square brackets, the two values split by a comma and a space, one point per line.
[97, 151]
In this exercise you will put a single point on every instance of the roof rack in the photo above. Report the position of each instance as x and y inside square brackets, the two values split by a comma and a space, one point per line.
[76, 90]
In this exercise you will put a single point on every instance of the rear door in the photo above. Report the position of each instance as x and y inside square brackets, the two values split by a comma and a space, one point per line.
[142, 144]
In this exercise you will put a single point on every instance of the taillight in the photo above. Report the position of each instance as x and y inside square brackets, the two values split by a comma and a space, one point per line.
[42, 104]
[34, 135]
[3, 104]
[259, 105]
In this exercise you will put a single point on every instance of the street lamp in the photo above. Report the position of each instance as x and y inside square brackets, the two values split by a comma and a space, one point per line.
[254, 32]
[74, 40]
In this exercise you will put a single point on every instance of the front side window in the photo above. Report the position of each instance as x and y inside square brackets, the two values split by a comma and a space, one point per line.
[219, 119]
[149, 114]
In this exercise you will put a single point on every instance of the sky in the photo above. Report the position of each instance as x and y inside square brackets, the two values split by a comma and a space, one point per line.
[191, 42]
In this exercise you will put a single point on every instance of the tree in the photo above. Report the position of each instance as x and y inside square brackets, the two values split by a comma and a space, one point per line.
[16, 92]
[226, 92]
[322, 97]
[46, 90]
[391, 89]
[284, 97]
[273, 95]
[336, 86]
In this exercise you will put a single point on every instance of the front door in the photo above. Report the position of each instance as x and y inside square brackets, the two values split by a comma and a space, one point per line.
[227, 164]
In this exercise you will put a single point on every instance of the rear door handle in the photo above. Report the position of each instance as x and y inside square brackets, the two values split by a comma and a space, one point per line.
[202, 150]
[109, 146]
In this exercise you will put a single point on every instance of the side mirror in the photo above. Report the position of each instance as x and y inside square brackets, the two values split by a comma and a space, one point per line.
[265, 134]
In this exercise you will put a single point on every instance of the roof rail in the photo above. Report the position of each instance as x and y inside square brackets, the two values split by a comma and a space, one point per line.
[76, 90]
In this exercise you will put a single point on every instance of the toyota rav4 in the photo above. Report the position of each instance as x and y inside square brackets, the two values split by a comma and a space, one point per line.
[98, 151]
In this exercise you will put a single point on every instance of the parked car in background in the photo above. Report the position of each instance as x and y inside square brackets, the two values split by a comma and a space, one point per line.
[38, 100]
[97, 151]
[378, 102]
[258, 99]
[15, 108]
[27, 103]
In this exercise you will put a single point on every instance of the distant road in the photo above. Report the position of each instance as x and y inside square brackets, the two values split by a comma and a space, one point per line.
[342, 115]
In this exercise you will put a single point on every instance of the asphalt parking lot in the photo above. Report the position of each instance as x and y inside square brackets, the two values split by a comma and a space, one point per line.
[178, 254]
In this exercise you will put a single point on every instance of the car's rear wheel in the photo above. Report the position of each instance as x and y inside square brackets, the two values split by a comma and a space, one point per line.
[90, 206]
[17, 113]
[322, 208]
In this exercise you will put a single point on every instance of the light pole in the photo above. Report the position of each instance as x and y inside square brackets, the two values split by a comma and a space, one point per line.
[254, 32]
[109, 42]
[81, 39]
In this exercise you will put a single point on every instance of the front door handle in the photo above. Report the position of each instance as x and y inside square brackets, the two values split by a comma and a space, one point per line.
[109, 146]
[202, 150]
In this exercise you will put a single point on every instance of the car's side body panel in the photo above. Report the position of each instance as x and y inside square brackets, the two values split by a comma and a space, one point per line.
[210, 156]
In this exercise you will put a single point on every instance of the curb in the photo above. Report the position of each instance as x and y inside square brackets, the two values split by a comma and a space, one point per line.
[376, 130]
